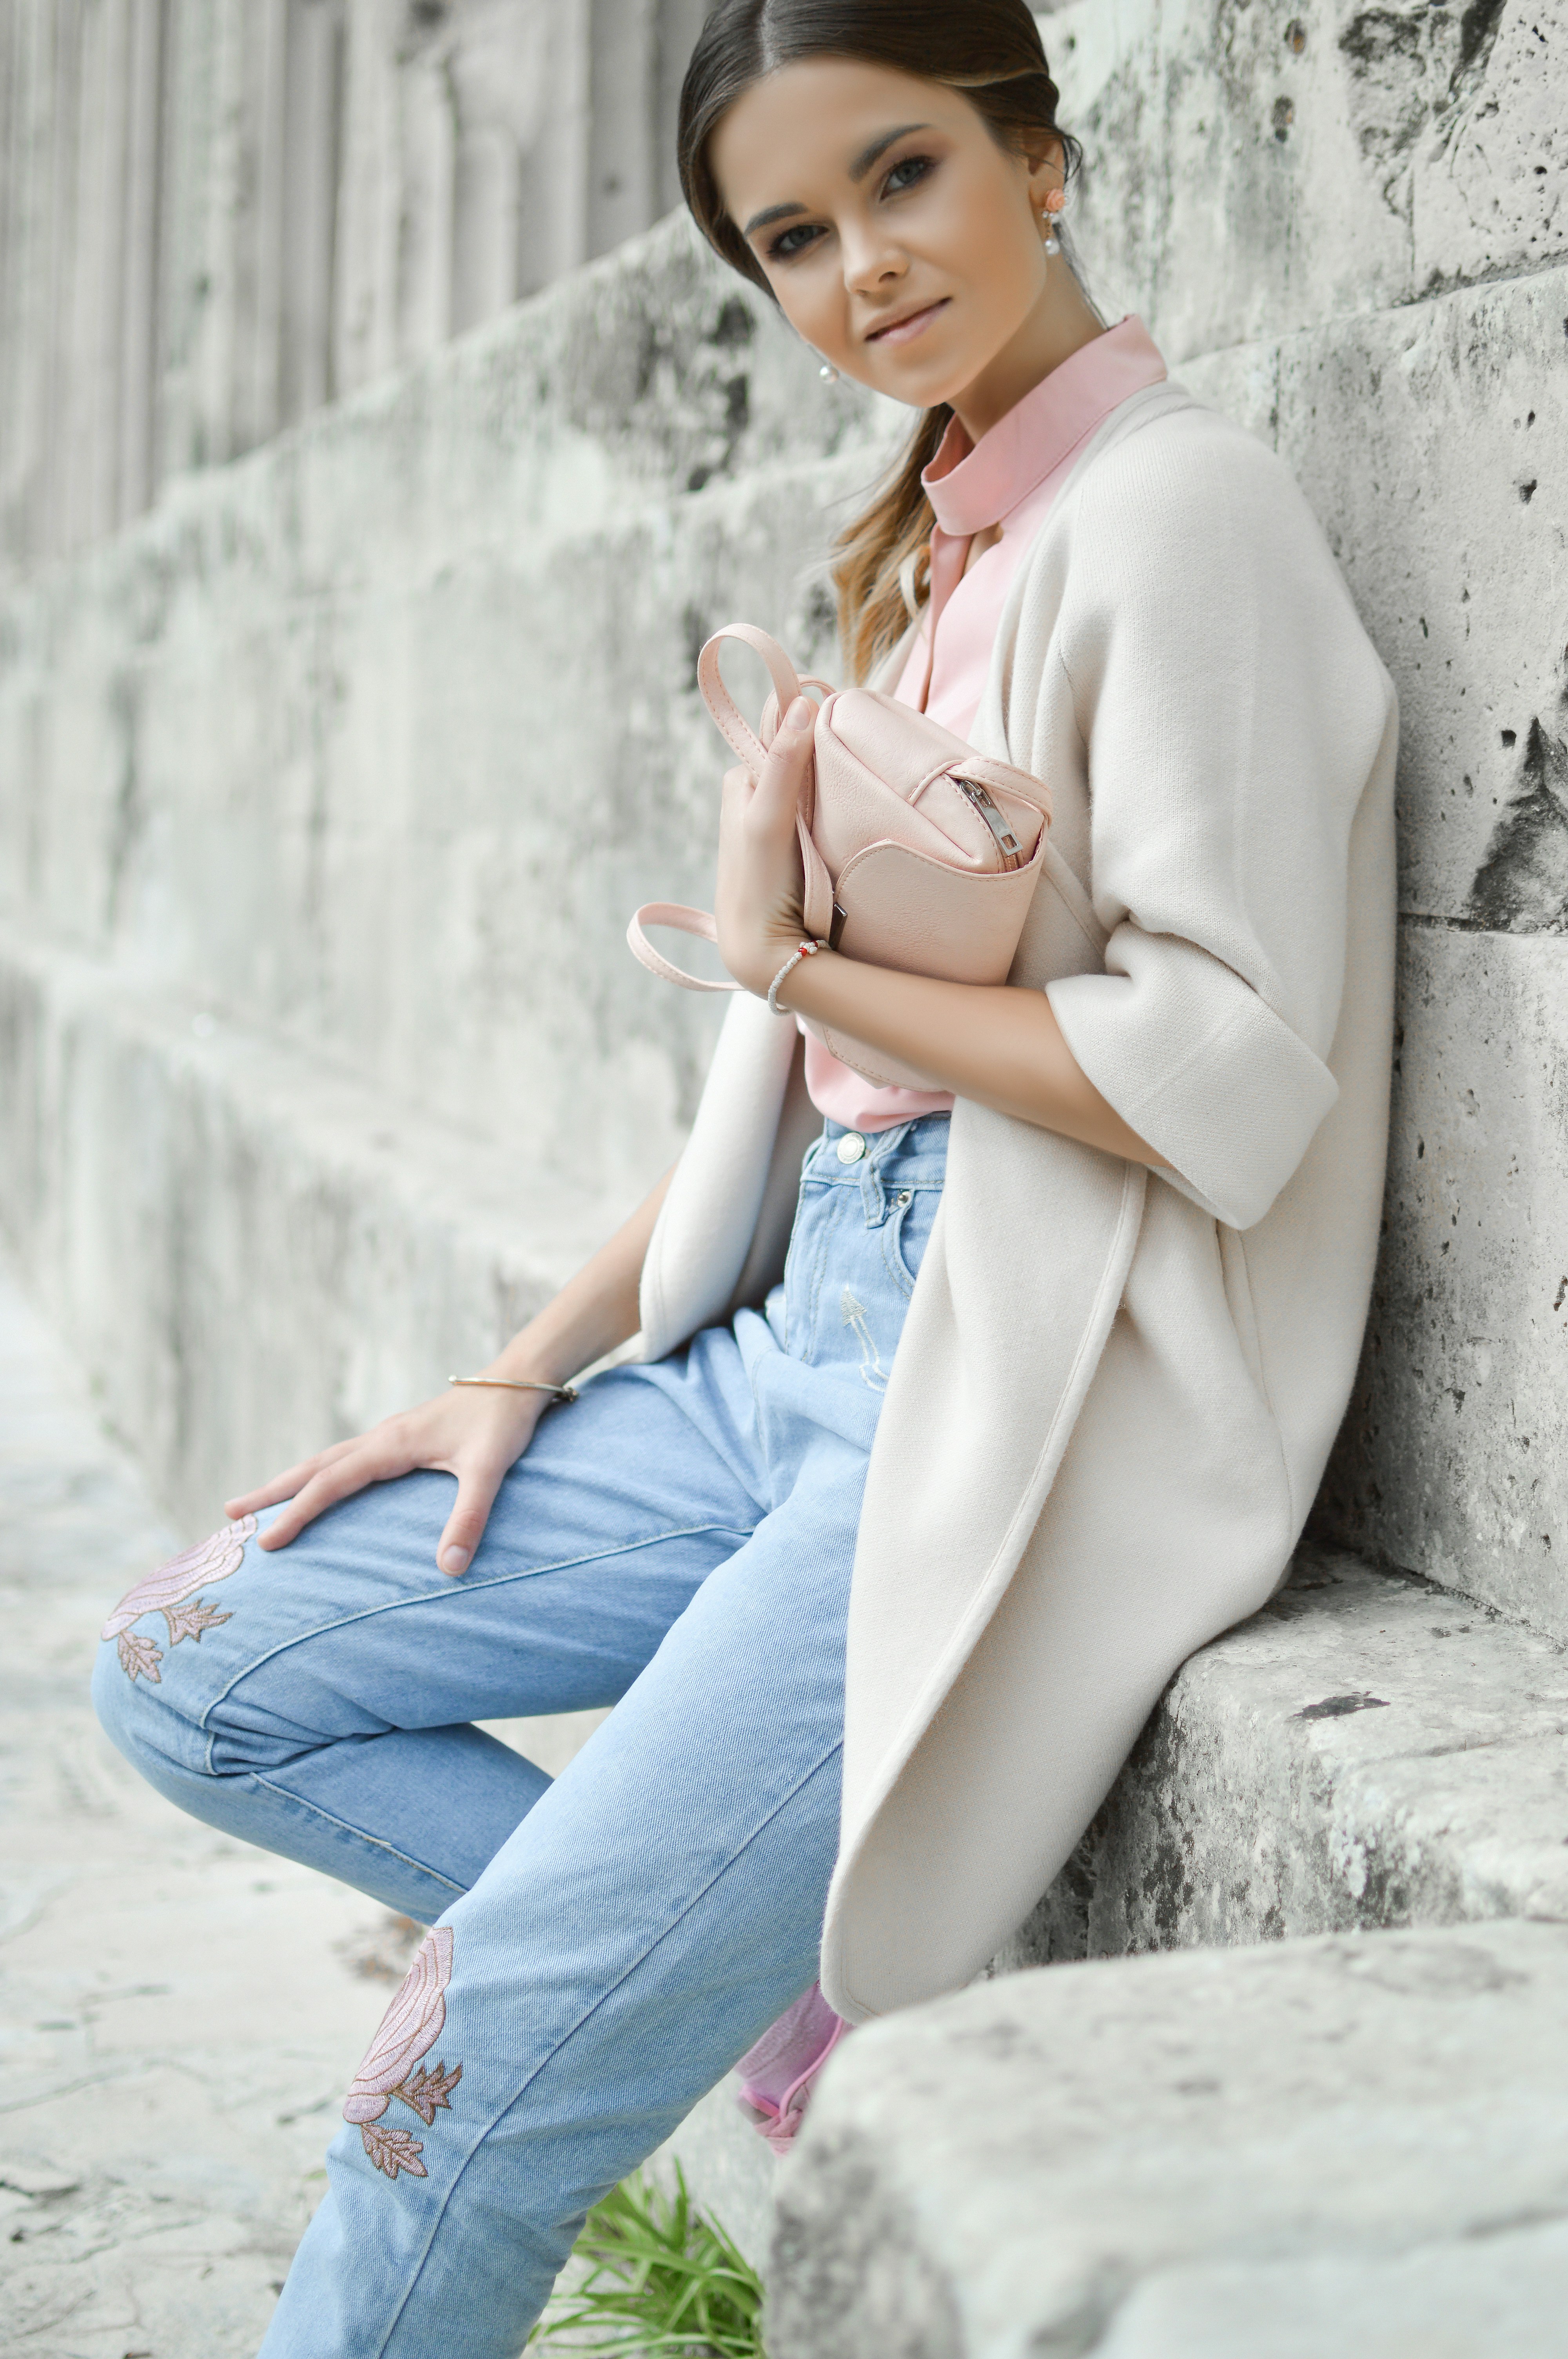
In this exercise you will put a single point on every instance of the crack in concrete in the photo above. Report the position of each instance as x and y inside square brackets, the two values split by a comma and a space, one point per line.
[1522, 886]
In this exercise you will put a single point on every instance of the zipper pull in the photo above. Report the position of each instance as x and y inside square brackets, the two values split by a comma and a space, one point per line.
[980, 798]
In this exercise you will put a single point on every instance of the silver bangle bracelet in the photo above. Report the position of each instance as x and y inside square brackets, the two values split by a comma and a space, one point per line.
[806, 950]
[518, 1385]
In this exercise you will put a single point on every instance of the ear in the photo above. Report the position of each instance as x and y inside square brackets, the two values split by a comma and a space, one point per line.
[1047, 161]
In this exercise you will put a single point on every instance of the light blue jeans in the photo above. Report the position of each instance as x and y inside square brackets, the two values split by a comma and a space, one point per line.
[678, 1543]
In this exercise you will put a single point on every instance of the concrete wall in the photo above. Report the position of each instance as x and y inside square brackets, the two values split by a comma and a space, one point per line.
[328, 789]
[216, 215]
[356, 752]
[1347, 226]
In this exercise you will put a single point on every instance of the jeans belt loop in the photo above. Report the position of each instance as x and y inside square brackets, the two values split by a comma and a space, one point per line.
[873, 1195]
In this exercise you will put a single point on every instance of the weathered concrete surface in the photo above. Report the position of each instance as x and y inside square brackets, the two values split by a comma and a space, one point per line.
[1431, 441]
[1368, 1752]
[324, 759]
[1353, 2144]
[1255, 169]
[377, 738]
[257, 1252]
[179, 2013]
[216, 215]
[1448, 507]
[1453, 1456]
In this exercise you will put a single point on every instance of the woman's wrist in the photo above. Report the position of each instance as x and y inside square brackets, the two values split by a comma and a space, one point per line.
[568, 1335]
[594, 1313]
[535, 1367]
[794, 951]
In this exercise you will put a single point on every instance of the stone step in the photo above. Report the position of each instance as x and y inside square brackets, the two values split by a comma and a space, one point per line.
[254, 1250]
[1367, 1751]
[1355, 2143]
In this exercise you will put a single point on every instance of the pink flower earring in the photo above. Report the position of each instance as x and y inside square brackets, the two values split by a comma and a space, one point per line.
[1055, 205]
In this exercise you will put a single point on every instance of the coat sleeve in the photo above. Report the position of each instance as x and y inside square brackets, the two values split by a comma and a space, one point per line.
[1230, 709]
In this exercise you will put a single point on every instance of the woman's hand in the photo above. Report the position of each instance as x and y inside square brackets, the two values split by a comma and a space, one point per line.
[478, 1436]
[760, 881]
[474, 1433]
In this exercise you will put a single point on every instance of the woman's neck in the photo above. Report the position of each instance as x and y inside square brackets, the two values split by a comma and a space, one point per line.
[1061, 323]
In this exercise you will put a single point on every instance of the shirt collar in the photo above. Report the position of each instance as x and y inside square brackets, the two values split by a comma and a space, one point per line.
[972, 485]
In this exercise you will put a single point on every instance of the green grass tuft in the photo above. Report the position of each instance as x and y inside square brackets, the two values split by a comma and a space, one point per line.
[654, 2275]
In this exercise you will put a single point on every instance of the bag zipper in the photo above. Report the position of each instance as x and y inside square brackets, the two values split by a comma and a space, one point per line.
[979, 796]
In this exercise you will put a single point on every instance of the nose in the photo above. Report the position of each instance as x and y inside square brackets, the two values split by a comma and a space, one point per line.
[872, 262]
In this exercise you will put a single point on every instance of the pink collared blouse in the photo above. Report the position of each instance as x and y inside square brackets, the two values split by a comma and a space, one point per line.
[1010, 478]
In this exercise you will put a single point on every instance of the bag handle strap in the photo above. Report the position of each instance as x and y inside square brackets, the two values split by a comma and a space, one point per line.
[698, 922]
[736, 731]
[752, 751]
[701, 925]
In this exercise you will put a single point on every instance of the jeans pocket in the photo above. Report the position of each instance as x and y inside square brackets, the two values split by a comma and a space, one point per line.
[907, 1232]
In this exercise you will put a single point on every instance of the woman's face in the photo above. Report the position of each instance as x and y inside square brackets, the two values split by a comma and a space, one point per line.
[900, 239]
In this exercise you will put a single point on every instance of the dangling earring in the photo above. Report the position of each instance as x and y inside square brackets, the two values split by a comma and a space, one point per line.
[827, 372]
[1054, 206]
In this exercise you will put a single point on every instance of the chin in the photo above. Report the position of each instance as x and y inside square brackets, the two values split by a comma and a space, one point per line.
[926, 393]
[924, 383]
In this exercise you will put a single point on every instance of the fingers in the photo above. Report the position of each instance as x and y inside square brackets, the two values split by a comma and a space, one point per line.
[476, 1440]
[341, 1480]
[285, 1485]
[476, 1487]
[777, 798]
[739, 786]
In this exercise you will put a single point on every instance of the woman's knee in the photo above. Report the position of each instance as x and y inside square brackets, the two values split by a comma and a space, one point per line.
[137, 1722]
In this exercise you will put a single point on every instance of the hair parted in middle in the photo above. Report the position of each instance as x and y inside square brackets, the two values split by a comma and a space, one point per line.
[989, 49]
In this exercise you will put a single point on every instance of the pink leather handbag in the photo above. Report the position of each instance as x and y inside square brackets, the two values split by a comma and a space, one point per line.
[919, 853]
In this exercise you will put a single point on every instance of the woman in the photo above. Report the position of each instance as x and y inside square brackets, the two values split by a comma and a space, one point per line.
[1141, 1201]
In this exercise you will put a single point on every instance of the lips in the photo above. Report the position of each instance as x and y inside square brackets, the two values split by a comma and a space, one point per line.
[910, 324]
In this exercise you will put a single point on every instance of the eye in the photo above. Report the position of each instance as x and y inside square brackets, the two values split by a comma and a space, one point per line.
[793, 241]
[907, 173]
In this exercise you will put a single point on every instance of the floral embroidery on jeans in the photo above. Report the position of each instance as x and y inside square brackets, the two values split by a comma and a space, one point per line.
[409, 2030]
[171, 1590]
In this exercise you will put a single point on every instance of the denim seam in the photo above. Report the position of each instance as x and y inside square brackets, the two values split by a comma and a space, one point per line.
[400, 1604]
[371, 1843]
[892, 1250]
[602, 2000]
[809, 1282]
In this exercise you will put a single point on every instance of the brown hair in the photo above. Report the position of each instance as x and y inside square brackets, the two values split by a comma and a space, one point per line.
[990, 50]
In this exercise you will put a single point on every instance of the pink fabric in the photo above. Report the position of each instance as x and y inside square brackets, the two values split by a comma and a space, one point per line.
[1010, 478]
[778, 2074]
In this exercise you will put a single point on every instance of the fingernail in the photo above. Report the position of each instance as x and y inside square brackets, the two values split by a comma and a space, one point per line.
[800, 715]
[454, 1560]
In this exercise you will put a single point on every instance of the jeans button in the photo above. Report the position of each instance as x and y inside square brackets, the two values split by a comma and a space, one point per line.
[903, 1196]
[851, 1147]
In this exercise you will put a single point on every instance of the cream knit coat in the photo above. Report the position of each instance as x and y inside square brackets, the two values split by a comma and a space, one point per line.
[1116, 1390]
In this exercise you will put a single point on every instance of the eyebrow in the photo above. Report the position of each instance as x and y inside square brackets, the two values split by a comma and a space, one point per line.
[869, 156]
[866, 161]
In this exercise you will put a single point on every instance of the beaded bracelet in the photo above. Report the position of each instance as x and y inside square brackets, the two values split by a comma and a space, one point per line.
[807, 949]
